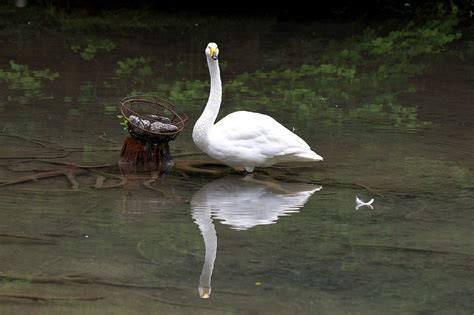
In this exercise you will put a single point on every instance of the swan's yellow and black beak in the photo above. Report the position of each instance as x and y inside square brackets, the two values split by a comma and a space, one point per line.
[213, 52]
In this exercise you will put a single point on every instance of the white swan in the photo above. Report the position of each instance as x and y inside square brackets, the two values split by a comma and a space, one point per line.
[244, 139]
[241, 205]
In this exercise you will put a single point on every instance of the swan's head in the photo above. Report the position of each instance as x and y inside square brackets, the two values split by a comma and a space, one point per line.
[204, 292]
[212, 51]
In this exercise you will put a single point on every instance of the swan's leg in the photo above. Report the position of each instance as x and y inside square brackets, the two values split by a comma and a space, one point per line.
[275, 186]
[248, 177]
[270, 184]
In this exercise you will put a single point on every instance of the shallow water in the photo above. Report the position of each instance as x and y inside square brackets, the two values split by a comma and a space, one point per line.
[292, 240]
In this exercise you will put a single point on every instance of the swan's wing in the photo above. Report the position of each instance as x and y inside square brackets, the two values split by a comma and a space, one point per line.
[246, 130]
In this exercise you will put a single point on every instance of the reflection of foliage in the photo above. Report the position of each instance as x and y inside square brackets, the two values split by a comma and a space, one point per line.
[20, 77]
[368, 60]
[358, 79]
[93, 46]
[423, 169]
[88, 90]
[370, 69]
[87, 93]
[180, 92]
[187, 91]
[136, 70]
[131, 65]
[470, 54]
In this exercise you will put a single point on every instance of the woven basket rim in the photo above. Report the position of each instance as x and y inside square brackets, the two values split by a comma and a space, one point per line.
[125, 106]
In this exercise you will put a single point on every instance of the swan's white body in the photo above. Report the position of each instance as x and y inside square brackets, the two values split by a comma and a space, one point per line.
[245, 139]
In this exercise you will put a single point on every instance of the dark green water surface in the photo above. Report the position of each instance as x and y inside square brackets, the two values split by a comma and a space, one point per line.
[392, 124]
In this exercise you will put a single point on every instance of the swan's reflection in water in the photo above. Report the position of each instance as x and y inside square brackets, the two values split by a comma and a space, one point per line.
[242, 204]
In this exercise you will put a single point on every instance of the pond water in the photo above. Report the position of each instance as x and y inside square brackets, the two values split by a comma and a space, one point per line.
[292, 241]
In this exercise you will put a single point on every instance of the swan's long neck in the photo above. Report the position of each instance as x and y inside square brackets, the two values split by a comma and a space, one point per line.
[209, 115]
[210, 242]
[202, 217]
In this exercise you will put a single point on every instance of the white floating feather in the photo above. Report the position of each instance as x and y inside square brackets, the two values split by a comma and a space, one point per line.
[361, 203]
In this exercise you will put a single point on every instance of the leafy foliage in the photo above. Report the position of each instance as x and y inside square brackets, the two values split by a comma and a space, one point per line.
[369, 71]
[93, 46]
[20, 78]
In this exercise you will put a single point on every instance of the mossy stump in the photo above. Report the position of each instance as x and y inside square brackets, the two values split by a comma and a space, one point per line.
[152, 124]
[142, 156]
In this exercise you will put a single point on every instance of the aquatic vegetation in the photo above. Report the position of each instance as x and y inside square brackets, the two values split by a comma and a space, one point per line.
[86, 93]
[123, 122]
[133, 73]
[358, 78]
[185, 92]
[21, 78]
[370, 59]
[89, 51]
[130, 65]
[136, 75]
[427, 169]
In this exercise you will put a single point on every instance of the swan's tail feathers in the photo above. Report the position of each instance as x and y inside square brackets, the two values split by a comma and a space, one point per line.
[309, 156]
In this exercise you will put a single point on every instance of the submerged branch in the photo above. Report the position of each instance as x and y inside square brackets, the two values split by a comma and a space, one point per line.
[72, 179]
[50, 297]
[55, 147]
[36, 157]
[99, 182]
[78, 165]
[28, 238]
[411, 249]
[196, 166]
[81, 279]
[69, 173]
[149, 184]
[194, 306]
[41, 143]
[143, 254]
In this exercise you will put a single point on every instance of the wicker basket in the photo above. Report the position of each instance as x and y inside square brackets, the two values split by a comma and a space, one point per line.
[145, 108]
